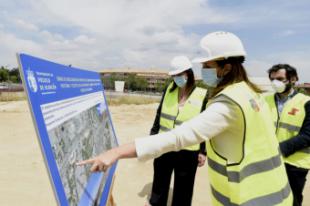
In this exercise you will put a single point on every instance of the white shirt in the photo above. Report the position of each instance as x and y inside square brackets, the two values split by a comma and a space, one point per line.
[281, 101]
[220, 121]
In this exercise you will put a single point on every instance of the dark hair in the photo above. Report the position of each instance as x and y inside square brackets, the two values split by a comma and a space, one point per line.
[235, 75]
[190, 81]
[290, 71]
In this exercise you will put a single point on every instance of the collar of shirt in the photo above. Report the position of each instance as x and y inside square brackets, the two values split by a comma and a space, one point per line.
[280, 101]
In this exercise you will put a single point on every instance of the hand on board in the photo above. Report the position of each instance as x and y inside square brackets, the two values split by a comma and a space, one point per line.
[101, 162]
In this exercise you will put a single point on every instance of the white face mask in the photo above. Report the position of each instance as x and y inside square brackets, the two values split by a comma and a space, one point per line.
[209, 76]
[278, 86]
[180, 80]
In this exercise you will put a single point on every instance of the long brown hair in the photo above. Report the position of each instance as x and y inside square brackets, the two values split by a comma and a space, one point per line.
[235, 75]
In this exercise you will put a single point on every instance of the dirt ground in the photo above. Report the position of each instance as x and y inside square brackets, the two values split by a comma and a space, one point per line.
[24, 179]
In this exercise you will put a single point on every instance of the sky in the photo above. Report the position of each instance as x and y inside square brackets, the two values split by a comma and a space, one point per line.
[98, 34]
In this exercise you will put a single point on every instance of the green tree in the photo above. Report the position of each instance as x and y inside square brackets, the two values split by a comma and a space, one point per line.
[131, 82]
[108, 81]
[159, 87]
[4, 74]
[14, 75]
[14, 79]
[141, 83]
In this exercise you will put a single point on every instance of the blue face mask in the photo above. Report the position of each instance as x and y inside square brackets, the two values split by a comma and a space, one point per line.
[180, 80]
[209, 77]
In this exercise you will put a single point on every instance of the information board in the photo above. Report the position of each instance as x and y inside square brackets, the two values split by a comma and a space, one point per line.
[73, 123]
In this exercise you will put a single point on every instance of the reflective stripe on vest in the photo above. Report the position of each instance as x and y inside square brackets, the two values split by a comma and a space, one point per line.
[178, 122]
[167, 116]
[270, 199]
[288, 126]
[250, 169]
[163, 128]
[171, 117]
[259, 179]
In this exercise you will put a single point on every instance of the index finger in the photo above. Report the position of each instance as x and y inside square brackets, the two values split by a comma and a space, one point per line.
[84, 162]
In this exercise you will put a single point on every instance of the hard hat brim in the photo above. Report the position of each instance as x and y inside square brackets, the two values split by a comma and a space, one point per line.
[200, 59]
[175, 72]
[205, 59]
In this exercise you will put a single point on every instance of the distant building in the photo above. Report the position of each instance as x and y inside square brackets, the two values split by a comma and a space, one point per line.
[152, 76]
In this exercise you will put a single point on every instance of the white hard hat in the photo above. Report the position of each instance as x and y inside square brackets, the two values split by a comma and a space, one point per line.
[221, 45]
[179, 64]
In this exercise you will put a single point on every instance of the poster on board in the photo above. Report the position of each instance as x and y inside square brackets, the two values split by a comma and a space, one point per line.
[72, 121]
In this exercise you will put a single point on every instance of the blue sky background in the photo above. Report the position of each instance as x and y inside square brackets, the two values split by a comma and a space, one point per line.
[147, 34]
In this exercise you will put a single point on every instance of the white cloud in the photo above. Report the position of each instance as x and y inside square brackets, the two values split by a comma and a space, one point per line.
[25, 25]
[111, 16]
[84, 39]
[138, 33]
[114, 33]
[10, 44]
[257, 67]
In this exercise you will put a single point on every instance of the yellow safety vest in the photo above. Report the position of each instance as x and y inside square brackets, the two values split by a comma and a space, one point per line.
[171, 117]
[259, 179]
[288, 125]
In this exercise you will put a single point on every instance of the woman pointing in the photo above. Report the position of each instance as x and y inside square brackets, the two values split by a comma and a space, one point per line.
[244, 162]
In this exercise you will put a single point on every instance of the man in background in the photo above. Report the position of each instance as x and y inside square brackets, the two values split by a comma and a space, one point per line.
[291, 115]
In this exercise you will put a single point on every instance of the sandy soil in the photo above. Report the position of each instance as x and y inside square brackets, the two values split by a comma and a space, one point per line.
[24, 179]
